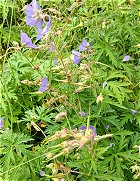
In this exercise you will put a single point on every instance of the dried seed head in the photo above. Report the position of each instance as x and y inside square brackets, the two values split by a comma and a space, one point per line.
[62, 98]
[61, 115]
[69, 74]
[99, 98]
[36, 67]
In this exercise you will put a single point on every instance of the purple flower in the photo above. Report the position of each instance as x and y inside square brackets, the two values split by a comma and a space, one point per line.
[52, 47]
[104, 84]
[82, 113]
[55, 61]
[42, 173]
[107, 126]
[133, 111]
[92, 128]
[77, 56]
[39, 35]
[76, 92]
[84, 45]
[44, 85]
[1, 123]
[26, 41]
[126, 58]
[34, 15]
[46, 29]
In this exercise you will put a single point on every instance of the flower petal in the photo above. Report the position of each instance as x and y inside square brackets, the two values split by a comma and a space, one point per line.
[39, 23]
[39, 35]
[77, 59]
[27, 41]
[84, 45]
[46, 28]
[35, 5]
[84, 42]
[1, 123]
[44, 85]
[126, 58]
[31, 21]
[82, 48]
[83, 128]
[29, 11]
[52, 47]
[75, 53]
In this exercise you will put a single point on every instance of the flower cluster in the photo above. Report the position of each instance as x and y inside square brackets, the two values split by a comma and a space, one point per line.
[35, 17]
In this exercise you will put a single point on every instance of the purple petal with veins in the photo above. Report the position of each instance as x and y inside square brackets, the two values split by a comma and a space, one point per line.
[35, 5]
[30, 21]
[29, 11]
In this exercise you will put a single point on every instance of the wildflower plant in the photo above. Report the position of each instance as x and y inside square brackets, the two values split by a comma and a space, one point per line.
[69, 90]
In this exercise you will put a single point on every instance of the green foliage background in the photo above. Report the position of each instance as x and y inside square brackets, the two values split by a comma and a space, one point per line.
[112, 28]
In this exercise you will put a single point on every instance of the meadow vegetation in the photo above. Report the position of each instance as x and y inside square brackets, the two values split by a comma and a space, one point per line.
[70, 90]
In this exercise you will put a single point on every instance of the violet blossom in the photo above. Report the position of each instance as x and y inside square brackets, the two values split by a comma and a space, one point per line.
[34, 16]
[82, 113]
[42, 173]
[1, 123]
[107, 126]
[52, 47]
[42, 32]
[84, 45]
[77, 56]
[44, 85]
[126, 58]
[26, 41]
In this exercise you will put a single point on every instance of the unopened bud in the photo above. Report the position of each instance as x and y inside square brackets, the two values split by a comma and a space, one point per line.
[62, 98]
